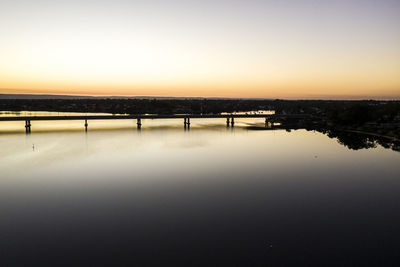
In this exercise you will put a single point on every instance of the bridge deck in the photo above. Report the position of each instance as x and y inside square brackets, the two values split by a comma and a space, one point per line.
[126, 117]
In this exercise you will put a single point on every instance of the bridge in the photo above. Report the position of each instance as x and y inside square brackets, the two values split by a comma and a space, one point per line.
[230, 118]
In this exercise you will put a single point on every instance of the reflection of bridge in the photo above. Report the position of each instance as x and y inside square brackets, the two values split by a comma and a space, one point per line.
[230, 118]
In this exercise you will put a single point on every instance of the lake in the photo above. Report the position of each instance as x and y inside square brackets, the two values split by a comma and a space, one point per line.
[208, 196]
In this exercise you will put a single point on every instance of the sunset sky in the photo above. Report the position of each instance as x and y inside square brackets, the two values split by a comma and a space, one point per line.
[210, 48]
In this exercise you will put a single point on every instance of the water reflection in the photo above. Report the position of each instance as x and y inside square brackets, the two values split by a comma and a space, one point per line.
[355, 140]
[352, 140]
[211, 196]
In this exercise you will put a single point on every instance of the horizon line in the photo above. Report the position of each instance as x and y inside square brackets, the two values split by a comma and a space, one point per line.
[204, 97]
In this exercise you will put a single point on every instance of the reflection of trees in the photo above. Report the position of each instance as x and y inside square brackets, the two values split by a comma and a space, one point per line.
[391, 145]
[357, 141]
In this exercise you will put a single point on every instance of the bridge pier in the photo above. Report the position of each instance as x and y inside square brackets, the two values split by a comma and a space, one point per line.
[139, 123]
[28, 126]
[232, 122]
[86, 125]
[227, 122]
[269, 122]
[186, 122]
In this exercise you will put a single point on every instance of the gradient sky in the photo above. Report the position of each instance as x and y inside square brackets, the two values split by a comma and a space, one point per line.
[249, 48]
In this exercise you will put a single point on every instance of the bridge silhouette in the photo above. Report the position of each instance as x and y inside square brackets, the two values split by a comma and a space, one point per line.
[230, 118]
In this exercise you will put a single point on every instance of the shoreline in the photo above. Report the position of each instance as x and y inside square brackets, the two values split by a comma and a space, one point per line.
[374, 134]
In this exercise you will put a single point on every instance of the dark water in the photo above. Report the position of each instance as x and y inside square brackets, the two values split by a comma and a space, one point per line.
[210, 196]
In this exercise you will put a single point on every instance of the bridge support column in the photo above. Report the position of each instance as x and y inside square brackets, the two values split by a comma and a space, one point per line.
[139, 123]
[28, 126]
[227, 122]
[232, 122]
[186, 122]
[86, 125]
[268, 122]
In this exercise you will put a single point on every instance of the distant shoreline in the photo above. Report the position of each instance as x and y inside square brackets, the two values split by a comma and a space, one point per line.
[72, 97]
[374, 134]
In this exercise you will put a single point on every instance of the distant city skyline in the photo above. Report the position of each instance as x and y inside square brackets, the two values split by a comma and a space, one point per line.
[299, 49]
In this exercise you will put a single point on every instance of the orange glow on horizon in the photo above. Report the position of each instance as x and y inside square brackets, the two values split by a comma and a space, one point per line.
[161, 48]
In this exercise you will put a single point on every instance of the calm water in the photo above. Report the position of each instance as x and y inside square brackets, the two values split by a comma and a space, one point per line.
[210, 196]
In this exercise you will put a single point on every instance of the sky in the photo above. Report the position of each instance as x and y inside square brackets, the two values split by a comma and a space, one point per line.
[339, 49]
